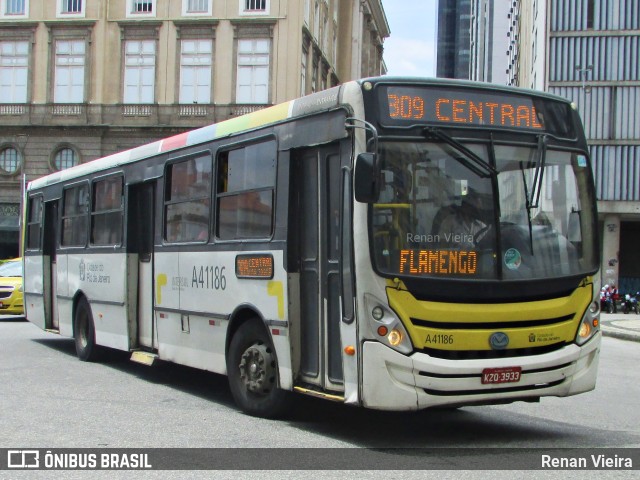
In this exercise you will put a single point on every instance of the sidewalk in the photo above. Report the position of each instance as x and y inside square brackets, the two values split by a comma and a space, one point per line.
[619, 325]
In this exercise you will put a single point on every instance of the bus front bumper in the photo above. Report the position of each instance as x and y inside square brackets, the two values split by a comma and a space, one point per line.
[393, 381]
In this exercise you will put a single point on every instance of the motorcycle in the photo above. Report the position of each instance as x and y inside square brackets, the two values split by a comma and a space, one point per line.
[630, 303]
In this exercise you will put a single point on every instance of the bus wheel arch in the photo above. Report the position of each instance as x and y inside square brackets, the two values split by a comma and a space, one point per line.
[252, 367]
[84, 331]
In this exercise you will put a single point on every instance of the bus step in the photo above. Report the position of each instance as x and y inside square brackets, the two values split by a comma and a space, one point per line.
[52, 330]
[144, 358]
[314, 393]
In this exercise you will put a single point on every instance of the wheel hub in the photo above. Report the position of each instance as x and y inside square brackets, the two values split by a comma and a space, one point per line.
[256, 368]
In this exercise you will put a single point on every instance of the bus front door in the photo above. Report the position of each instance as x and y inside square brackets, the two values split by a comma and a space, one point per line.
[140, 241]
[316, 199]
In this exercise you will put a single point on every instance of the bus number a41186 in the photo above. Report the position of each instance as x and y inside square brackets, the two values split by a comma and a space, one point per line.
[209, 277]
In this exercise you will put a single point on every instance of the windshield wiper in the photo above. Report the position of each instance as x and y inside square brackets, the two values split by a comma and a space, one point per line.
[533, 196]
[478, 165]
[541, 156]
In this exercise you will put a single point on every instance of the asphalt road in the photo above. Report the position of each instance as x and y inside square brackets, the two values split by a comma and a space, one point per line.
[49, 399]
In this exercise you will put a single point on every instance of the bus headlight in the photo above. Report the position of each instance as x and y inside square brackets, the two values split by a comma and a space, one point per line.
[590, 324]
[387, 326]
[395, 337]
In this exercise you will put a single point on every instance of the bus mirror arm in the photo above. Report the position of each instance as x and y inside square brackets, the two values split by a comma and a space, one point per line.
[366, 174]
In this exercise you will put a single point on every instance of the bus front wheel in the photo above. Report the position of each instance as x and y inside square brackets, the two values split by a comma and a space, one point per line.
[84, 333]
[253, 372]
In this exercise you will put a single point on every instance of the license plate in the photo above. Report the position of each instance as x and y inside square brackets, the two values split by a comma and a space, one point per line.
[501, 375]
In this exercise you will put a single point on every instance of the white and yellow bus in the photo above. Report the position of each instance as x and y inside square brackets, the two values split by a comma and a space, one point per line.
[391, 243]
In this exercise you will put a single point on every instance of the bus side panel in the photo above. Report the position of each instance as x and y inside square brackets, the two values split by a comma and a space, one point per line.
[190, 331]
[34, 295]
[209, 292]
[102, 279]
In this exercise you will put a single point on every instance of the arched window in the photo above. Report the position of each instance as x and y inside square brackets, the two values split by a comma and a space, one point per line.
[10, 160]
[65, 158]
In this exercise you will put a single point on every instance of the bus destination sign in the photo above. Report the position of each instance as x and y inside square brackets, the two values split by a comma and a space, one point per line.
[455, 106]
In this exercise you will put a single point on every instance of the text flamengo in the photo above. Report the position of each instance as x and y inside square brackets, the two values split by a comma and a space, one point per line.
[415, 262]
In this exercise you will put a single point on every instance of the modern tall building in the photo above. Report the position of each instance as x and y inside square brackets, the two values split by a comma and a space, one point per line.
[494, 41]
[83, 79]
[478, 40]
[454, 39]
[589, 51]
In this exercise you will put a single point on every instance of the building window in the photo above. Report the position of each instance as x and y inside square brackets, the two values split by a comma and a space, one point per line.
[314, 76]
[590, 13]
[335, 44]
[15, 7]
[254, 7]
[303, 75]
[69, 71]
[316, 20]
[106, 212]
[65, 158]
[145, 8]
[246, 183]
[70, 8]
[10, 160]
[195, 71]
[186, 209]
[139, 71]
[75, 207]
[196, 7]
[14, 75]
[325, 34]
[253, 70]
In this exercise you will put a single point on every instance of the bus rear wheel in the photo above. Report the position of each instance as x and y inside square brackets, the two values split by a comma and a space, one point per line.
[84, 333]
[253, 372]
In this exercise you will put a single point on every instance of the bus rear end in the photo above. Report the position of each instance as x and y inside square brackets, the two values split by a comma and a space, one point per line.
[480, 282]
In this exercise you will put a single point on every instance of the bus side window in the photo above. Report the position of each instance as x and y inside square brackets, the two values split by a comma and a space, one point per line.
[246, 184]
[187, 205]
[75, 208]
[34, 239]
[107, 211]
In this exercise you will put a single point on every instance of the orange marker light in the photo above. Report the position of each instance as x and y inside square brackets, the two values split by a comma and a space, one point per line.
[350, 350]
[382, 331]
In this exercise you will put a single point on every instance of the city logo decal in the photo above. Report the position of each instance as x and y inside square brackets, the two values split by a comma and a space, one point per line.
[83, 270]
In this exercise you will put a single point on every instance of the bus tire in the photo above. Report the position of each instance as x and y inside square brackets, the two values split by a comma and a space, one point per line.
[84, 332]
[253, 372]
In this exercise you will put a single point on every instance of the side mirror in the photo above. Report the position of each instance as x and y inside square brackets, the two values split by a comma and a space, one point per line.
[367, 188]
[574, 233]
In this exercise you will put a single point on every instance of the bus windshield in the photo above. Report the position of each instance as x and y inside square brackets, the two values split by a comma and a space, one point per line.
[528, 215]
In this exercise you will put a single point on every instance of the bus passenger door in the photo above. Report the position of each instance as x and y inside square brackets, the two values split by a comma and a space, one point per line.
[49, 265]
[140, 240]
[316, 185]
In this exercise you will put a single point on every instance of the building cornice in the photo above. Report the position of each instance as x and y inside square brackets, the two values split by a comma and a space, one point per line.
[379, 17]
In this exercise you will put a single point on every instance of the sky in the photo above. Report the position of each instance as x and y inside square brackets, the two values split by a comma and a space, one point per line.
[410, 50]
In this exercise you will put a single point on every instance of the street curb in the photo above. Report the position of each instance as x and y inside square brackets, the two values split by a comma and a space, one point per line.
[621, 335]
[623, 327]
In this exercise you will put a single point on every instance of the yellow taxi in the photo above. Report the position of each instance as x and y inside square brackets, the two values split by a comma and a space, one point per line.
[11, 302]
